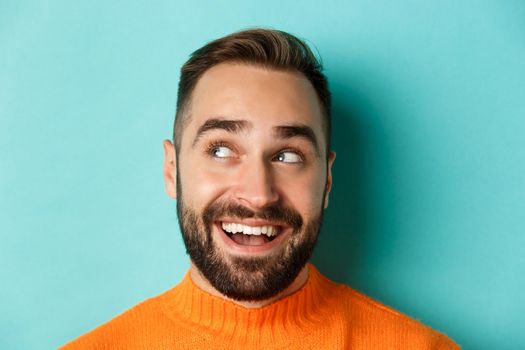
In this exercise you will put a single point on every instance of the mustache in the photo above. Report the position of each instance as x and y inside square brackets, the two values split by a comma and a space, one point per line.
[276, 213]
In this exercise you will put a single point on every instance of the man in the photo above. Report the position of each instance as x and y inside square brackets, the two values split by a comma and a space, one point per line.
[250, 168]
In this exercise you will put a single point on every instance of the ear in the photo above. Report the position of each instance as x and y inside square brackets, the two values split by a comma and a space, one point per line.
[170, 169]
[331, 159]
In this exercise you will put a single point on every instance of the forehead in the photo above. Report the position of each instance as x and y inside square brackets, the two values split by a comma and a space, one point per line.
[264, 97]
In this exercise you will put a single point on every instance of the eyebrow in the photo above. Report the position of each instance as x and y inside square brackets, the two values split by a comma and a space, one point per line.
[238, 126]
[297, 130]
[232, 126]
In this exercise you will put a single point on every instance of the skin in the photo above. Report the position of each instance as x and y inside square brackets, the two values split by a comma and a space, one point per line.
[253, 167]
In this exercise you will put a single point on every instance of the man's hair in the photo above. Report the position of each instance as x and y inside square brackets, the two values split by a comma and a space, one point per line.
[267, 48]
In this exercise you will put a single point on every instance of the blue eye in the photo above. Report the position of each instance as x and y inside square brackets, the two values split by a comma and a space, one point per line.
[289, 157]
[221, 152]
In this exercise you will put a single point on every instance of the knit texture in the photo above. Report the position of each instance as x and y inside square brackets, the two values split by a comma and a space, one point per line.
[321, 315]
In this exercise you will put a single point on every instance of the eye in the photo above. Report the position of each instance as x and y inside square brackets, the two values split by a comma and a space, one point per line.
[288, 157]
[221, 152]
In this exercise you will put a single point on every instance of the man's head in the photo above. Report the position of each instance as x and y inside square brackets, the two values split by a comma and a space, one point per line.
[251, 163]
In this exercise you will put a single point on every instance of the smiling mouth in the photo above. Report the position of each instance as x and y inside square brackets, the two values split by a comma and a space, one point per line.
[250, 235]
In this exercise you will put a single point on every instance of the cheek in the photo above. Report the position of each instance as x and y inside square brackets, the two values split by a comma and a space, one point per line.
[304, 192]
[201, 185]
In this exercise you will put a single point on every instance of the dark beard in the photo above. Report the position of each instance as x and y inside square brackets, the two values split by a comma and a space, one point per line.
[247, 278]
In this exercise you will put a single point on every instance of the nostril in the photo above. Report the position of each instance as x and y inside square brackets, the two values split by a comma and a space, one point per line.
[256, 186]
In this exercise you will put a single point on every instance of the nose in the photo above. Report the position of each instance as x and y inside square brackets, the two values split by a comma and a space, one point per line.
[255, 187]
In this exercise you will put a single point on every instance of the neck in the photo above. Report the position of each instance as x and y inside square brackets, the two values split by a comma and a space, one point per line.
[204, 284]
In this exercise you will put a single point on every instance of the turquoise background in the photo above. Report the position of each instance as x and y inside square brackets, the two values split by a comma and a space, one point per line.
[427, 212]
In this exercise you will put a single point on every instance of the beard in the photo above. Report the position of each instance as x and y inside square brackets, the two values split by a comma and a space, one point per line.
[246, 278]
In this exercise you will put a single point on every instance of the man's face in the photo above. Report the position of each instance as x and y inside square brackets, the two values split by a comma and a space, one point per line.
[251, 178]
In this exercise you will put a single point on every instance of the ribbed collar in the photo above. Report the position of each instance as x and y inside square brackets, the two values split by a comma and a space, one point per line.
[281, 323]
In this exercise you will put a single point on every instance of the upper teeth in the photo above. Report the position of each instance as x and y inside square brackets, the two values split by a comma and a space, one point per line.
[249, 230]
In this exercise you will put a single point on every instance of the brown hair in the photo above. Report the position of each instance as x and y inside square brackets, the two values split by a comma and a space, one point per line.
[268, 48]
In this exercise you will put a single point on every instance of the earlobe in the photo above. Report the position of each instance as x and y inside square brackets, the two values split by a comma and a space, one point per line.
[170, 169]
[331, 159]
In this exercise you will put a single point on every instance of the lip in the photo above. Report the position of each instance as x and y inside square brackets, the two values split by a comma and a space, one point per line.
[244, 249]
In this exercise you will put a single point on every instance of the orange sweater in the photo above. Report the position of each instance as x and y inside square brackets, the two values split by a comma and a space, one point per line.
[321, 315]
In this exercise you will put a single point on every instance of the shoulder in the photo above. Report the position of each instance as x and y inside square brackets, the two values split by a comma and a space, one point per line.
[139, 322]
[373, 325]
[373, 318]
